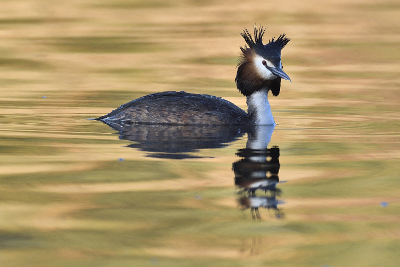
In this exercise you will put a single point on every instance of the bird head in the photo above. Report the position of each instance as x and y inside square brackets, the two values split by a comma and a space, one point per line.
[260, 65]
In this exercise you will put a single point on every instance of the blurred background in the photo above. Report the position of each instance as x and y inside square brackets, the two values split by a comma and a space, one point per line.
[73, 194]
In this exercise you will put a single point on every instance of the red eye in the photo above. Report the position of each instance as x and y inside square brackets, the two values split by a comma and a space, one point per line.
[264, 63]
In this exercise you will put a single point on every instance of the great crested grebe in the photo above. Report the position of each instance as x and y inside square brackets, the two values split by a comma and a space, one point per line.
[259, 71]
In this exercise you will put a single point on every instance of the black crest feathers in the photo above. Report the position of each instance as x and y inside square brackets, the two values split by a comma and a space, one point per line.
[280, 42]
[258, 35]
[270, 50]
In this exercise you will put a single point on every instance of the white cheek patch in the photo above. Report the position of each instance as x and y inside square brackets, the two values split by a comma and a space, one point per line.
[261, 69]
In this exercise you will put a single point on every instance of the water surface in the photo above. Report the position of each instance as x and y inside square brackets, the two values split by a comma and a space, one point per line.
[75, 192]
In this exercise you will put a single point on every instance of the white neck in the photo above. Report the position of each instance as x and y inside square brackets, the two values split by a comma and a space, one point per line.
[259, 108]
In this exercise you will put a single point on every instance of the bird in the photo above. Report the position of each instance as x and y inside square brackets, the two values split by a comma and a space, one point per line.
[259, 71]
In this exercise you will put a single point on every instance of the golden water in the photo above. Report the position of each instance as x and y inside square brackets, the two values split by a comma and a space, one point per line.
[68, 199]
